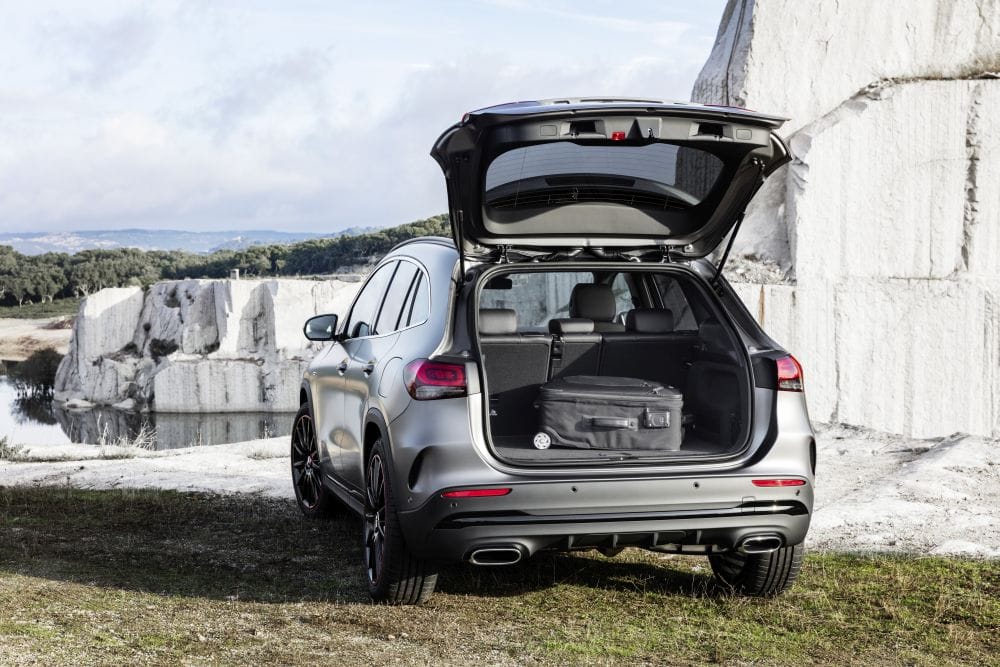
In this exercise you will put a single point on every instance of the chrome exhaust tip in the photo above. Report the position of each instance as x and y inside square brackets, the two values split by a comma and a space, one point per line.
[760, 544]
[490, 556]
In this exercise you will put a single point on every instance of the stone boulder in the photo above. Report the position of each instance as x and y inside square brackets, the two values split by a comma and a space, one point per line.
[888, 218]
[197, 345]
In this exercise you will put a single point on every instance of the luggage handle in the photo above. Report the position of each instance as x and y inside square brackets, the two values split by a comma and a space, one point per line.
[615, 423]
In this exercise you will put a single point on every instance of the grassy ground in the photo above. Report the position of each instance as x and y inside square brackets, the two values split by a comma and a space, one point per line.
[37, 311]
[101, 577]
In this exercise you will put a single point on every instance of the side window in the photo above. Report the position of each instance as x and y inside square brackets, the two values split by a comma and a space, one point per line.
[673, 298]
[366, 305]
[419, 306]
[399, 290]
[623, 296]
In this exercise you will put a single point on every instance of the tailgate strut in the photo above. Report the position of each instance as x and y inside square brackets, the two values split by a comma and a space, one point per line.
[729, 246]
[761, 177]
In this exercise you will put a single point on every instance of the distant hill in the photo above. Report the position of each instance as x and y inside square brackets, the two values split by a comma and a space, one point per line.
[37, 243]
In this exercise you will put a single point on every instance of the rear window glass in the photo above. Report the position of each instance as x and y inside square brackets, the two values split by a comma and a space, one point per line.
[657, 175]
[536, 297]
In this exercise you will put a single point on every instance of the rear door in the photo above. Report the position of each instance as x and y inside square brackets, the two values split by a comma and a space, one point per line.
[358, 351]
[368, 357]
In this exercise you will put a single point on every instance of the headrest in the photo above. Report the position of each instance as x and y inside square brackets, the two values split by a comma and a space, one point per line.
[571, 325]
[594, 302]
[497, 321]
[650, 320]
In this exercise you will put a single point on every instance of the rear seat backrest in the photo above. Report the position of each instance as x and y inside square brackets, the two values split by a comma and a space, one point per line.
[649, 349]
[595, 302]
[576, 348]
[516, 365]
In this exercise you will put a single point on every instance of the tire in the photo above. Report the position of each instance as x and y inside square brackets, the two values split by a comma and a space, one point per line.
[394, 576]
[758, 575]
[313, 498]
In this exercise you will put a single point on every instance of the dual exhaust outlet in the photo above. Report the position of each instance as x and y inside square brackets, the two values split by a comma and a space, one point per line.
[508, 555]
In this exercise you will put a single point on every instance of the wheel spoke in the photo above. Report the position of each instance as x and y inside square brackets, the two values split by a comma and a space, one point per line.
[375, 517]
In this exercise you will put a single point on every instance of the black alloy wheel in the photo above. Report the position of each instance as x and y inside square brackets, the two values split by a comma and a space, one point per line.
[313, 498]
[394, 575]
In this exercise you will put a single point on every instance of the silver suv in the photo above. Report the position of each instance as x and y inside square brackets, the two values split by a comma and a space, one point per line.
[582, 230]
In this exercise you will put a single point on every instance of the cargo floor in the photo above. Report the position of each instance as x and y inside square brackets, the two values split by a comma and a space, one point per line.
[519, 447]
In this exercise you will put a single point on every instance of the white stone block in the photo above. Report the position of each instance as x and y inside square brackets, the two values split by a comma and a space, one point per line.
[803, 59]
[881, 189]
[106, 321]
[228, 385]
[200, 345]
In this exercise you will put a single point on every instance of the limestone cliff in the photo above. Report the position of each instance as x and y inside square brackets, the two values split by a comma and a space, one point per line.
[888, 218]
[197, 345]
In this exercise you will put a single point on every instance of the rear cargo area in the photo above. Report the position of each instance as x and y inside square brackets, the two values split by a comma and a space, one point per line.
[600, 331]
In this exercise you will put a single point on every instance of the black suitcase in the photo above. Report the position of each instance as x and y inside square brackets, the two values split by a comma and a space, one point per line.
[591, 412]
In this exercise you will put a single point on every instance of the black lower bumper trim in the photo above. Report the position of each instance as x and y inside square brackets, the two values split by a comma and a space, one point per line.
[514, 518]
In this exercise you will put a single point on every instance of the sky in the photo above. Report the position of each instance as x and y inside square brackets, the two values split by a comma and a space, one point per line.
[297, 115]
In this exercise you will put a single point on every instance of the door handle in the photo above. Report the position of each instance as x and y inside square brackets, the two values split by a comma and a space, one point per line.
[369, 367]
[342, 368]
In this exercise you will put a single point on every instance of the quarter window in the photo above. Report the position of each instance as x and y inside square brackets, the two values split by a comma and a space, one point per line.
[672, 296]
[419, 306]
[395, 297]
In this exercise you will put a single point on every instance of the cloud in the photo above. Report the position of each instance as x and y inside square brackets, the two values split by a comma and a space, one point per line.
[97, 53]
[252, 92]
[293, 119]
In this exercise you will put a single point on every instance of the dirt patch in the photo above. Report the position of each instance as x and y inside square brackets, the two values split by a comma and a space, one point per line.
[20, 338]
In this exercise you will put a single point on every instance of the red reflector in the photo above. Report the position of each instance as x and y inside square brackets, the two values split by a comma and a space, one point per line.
[617, 136]
[475, 493]
[789, 374]
[779, 482]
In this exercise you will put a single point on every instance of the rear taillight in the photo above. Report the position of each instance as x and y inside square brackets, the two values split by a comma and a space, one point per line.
[789, 374]
[428, 380]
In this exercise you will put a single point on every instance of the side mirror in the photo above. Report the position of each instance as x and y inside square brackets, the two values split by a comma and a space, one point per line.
[321, 327]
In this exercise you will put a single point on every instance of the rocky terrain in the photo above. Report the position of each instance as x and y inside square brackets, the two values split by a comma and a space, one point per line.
[887, 222]
[197, 345]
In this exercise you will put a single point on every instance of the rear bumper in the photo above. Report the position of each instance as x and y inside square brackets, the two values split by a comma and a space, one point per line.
[450, 530]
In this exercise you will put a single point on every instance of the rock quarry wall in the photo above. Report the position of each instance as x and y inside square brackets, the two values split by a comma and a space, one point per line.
[197, 345]
[887, 221]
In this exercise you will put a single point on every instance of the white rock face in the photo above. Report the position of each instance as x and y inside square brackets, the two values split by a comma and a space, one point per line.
[888, 219]
[915, 357]
[803, 59]
[197, 345]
